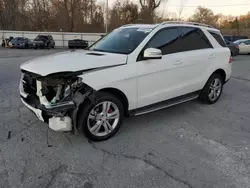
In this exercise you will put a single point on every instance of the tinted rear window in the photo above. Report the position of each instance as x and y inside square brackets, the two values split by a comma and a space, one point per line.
[41, 37]
[218, 38]
[19, 39]
[193, 39]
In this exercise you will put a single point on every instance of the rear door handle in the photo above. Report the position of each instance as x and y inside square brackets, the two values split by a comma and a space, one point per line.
[179, 62]
[211, 56]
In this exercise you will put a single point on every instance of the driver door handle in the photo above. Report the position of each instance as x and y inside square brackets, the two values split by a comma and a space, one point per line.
[211, 56]
[179, 62]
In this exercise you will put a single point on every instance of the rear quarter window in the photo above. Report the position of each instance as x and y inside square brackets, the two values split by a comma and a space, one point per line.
[217, 36]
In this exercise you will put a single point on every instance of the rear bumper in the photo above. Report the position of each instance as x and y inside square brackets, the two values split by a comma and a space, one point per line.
[228, 70]
[39, 45]
[236, 52]
[18, 47]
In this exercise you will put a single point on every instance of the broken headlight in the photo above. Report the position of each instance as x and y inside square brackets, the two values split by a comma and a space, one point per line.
[72, 87]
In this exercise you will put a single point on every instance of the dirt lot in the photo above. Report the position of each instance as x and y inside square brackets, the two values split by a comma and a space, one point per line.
[191, 145]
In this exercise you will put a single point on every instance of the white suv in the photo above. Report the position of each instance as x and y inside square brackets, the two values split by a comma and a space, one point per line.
[136, 69]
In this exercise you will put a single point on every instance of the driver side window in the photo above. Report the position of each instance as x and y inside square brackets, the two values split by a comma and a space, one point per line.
[166, 40]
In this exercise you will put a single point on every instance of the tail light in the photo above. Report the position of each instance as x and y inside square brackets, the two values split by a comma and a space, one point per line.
[230, 59]
[237, 46]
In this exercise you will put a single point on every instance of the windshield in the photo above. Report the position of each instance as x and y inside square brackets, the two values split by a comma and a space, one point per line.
[18, 39]
[121, 40]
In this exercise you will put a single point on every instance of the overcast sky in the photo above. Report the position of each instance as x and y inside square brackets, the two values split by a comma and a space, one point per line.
[227, 7]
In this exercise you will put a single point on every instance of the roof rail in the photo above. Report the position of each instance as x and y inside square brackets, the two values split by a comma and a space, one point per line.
[190, 23]
[127, 25]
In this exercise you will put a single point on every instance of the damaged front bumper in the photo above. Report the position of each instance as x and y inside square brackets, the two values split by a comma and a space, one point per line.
[53, 116]
[60, 116]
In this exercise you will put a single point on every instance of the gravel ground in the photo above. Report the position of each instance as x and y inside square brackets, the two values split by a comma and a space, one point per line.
[191, 145]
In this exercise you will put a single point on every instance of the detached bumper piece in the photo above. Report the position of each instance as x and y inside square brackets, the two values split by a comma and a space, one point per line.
[57, 109]
[54, 115]
[60, 123]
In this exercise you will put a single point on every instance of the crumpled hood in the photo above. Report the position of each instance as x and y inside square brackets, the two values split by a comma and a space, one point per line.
[72, 61]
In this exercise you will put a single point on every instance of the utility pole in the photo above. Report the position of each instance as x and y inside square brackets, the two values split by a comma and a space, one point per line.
[107, 15]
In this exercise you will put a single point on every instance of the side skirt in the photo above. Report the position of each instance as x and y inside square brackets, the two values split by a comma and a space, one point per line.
[165, 104]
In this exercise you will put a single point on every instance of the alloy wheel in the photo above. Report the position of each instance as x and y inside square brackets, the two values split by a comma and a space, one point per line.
[103, 118]
[215, 89]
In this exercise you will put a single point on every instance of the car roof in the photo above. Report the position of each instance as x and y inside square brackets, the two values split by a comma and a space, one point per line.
[171, 23]
[241, 40]
[140, 26]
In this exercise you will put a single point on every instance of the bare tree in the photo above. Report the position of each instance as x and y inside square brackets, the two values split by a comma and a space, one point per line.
[181, 8]
[148, 8]
[205, 15]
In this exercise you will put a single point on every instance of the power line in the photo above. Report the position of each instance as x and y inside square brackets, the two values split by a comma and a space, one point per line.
[211, 5]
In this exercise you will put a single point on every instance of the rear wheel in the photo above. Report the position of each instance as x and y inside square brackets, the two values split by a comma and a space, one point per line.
[102, 119]
[213, 89]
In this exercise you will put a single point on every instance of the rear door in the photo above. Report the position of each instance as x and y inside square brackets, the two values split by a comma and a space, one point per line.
[197, 53]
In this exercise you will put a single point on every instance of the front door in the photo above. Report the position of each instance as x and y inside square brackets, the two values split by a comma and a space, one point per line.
[157, 79]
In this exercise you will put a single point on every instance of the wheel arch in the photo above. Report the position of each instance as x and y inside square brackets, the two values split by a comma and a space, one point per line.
[220, 72]
[120, 95]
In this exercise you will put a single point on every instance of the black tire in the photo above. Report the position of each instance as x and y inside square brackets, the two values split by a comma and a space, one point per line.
[85, 110]
[204, 95]
[232, 54]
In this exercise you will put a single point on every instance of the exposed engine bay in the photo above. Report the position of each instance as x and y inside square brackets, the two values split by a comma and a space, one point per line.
[57, 96]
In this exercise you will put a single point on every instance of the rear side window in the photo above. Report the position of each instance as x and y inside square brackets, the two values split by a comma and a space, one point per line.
[247, 42]
[218, 38]
[193, 39]
[167, 40]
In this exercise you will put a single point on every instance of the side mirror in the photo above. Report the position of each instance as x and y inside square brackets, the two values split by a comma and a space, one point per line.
[152, 53]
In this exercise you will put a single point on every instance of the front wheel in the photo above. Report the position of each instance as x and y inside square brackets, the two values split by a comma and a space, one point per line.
[213, 89]
[100, 120]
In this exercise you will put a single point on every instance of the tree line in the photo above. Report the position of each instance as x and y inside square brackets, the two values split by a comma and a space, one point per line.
[89, 16]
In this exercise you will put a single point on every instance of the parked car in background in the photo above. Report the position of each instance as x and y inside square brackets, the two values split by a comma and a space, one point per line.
[78, 43]
[44, 41]
[244, 46]
[134, 70]
[20, 42]
[5, 42]
[233, 38]
[234, 48]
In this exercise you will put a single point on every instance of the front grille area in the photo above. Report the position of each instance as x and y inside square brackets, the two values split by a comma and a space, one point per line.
[29, 84]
